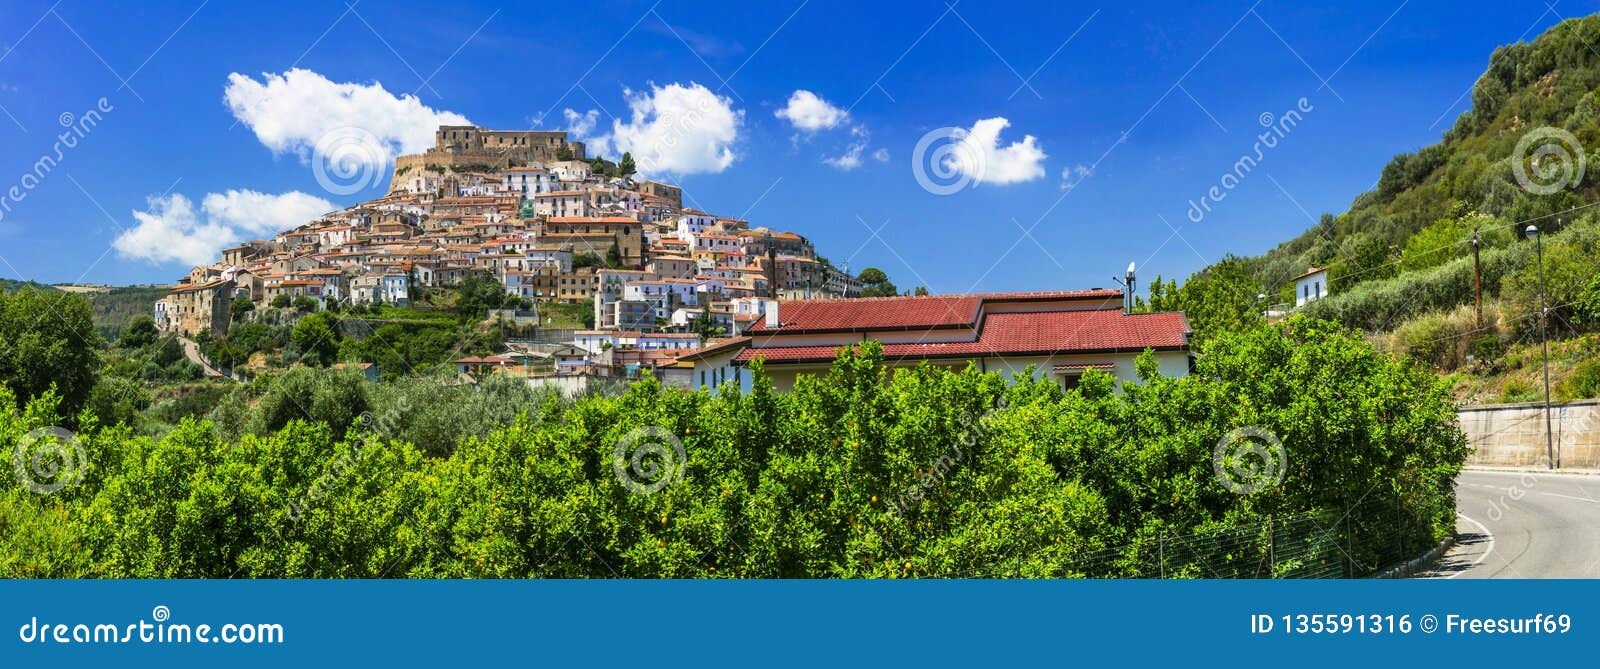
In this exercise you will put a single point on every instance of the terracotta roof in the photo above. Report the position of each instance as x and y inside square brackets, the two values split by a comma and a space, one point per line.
[1026, 333]
[897, 313]
[596, 220]
[906, 313]
[1309, 272]
[718, 347]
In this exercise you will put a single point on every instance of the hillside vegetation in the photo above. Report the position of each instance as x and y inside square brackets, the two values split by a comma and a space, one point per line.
[1426, 204]
[1400, 259]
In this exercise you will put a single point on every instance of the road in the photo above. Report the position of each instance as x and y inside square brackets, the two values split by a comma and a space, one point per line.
[1524, 525]
[191, 350]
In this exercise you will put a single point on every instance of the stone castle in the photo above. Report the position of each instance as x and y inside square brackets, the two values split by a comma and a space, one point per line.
[473, 148]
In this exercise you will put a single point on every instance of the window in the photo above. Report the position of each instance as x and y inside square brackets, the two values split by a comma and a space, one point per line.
[1070, 381]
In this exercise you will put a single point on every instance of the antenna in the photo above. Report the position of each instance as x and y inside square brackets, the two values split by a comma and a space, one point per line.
[1129, 286]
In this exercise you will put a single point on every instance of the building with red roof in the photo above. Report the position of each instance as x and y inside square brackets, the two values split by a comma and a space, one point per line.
[1062, 334]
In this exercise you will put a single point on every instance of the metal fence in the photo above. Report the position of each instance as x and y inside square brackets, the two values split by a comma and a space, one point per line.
[1329, 544]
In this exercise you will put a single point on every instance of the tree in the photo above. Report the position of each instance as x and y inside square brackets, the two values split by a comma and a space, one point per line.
[477, 293]
[305, 304]
[614, 257]
[1218, 299]
[705, 325]
[240, 307]
[920, 291]
[564, 153]
[626, 167]
[317, 337]
[281, 301]
[140, 333]
[874, 283]
[47, 338]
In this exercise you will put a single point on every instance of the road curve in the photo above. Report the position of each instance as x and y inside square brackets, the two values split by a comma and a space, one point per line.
[1524, 525]
[191, 350]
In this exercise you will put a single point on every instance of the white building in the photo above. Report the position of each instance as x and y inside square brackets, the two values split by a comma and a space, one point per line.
[531, 181]
[1311, 286]
[1059, 335]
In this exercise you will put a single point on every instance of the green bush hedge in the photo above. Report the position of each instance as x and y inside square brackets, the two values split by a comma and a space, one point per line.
[858, 473]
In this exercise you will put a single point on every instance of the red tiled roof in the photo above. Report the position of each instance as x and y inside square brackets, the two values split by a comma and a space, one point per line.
[716, 347]
[904, 313]
[1026, 333]
[894, 313]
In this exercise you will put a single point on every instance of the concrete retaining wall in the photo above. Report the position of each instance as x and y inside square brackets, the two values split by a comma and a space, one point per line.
[1513, 435]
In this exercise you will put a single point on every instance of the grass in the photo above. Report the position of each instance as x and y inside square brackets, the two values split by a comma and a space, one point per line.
[1518, 374]
[563, 316]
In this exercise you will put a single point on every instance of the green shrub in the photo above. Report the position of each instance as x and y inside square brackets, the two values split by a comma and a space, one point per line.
[1583, 382]
[1515, 390]
[856, 473]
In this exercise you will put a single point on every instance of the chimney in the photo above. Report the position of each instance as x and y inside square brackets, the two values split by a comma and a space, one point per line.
[770, 311]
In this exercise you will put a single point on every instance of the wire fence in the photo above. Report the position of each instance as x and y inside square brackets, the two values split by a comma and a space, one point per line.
[1325, 544]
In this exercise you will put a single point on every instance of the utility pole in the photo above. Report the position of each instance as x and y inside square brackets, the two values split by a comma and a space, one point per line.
[1544, 342]
[1477, 281]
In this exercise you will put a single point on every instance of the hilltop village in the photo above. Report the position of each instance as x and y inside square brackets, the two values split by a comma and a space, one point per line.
[692, 295]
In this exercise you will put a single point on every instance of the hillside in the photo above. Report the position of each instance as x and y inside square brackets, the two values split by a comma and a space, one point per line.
[13, 285]
[1400, 259]
[113, 307]
[117, 306]
[1425, 205]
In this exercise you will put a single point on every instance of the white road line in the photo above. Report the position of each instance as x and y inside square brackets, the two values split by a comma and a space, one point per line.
[1485, 554]
[1581, 499]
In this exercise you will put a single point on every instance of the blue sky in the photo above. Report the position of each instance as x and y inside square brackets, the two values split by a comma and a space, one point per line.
[1144, 107]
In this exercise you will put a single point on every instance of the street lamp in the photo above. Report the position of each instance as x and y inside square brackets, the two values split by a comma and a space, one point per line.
[1544, 313]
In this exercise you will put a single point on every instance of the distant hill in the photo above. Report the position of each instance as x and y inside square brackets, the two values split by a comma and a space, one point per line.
[114, 307]
[117, 306]
[1540, 97]
[12, 285]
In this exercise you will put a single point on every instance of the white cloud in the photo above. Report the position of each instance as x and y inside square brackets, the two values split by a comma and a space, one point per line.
[1072, 176]
[673, 129]
[979, 156]
[171, 230]
[293, 111]
[581, 125]
[810, 113]
[851, 158]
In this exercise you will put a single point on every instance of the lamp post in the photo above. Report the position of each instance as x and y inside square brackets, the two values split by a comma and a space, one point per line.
[1544, 342]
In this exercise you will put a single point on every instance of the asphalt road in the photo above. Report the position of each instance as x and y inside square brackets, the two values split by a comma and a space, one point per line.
[191, 350]
[1517, 525]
